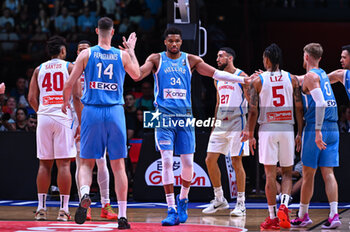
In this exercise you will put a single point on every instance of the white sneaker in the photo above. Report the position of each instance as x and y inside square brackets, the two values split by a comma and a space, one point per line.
[41, 215]
[216, 205]
[239, 210]
[63, 216]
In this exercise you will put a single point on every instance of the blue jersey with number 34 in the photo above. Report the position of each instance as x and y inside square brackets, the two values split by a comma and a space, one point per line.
[331, 112]
[104, 77]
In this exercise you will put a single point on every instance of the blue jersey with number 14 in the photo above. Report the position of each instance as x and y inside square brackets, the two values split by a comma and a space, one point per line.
[309, 104]
[104, 77]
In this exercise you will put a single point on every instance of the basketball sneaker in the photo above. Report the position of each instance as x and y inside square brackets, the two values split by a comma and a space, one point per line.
[88, 214]
[80, 214]
[239, 210]
[172, 219]
[107, 212]
[123, 223]
[332, 223]
[63, 216]
[270, 224]
[41, 215]
[283, 216]
[216, 205]
[182, 206]
[301, 222]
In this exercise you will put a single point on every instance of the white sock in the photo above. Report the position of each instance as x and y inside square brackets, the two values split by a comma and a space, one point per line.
[333, 209]
[170, 200]
[285, 199]
[272, 211]
[103, 181]
[122, 209]
[241, 197]
[219, 193]
[303, 209]
[64, 203]
[84, 190]
[184, 192]
[41, 201]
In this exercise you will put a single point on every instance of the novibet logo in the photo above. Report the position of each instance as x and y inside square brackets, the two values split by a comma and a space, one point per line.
[156, 119]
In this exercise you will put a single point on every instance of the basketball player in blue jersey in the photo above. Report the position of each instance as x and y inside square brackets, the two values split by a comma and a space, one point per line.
[172, 71]
[320, 138]
[102, 120]
[102, 169]
[343, 75]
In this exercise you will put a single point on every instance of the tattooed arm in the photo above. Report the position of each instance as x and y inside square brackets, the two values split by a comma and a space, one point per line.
[298, 110]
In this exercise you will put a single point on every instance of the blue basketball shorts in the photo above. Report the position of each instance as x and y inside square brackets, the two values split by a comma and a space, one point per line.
[313, 157]
[180, 139]
[103, 127]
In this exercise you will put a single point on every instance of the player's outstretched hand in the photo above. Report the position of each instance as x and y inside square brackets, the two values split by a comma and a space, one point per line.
[318, 140]
[252, 145]
[130, 43]
[298, 143]
[65, 106]
[2, 88]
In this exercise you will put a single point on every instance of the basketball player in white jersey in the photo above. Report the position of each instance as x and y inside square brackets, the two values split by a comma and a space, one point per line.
[55, 135]
[274, 92]
[102, 169]
[231, 108]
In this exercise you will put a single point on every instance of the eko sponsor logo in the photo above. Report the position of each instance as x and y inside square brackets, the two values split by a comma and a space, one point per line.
[153, 175]
[103, 86]
[175, 94]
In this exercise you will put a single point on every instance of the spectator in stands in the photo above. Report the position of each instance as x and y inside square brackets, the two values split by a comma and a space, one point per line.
[6, 18]
[10, 107]
[64, 23]
[36, 46]
[21, 119]
[130, 115]
[139, 123]
[147, 22]
[110, 7]
[24, 26]
[147, 98]
[13, 5]
[123, 27]
[74, 7]
[32, 122]
[7, 123]
[9, 35]
[135, 9]
[43, 21]
[344, 119]
[20, 92]
[94, 6]
[155, 6]
[87, 22]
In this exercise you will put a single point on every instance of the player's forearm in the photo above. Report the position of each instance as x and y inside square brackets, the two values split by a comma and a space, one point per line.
[300, 121]
[34, 103]
[226, 76]
[67, 91]
[252, 118]
[320, 107]
[78, 107]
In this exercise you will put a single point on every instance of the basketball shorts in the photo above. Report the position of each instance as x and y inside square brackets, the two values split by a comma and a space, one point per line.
[226, 139]
[276, 144]
[103, 127]
[54, 140]
[180, 139]
[313, 157]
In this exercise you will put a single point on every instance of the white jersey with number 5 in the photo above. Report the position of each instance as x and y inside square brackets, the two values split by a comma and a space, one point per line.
[276, 98]
[51, 78]
[231, 99]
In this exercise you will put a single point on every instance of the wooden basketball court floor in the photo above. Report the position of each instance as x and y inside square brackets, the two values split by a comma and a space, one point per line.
[21, 218]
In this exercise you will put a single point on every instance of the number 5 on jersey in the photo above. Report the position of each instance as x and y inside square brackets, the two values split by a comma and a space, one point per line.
[107, 72]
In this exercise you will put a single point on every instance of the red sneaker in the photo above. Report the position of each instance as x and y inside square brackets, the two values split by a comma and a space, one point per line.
[107, 212]
[88, 214]
[270, 224]
[283, 216]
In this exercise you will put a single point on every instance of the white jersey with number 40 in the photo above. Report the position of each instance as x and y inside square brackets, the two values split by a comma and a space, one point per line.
[51, 78]
[276, 98]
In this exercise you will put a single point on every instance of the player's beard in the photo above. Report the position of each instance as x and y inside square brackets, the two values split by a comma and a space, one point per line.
[222, 66]
[174, 53]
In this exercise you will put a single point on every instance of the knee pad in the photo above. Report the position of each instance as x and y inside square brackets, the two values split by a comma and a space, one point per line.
[167, 170]
[187, 167]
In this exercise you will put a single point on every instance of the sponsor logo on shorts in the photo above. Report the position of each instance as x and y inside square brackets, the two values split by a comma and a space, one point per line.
[52, 100]
[175, 94]
[153, 174]
[279, 116]
[104, 86]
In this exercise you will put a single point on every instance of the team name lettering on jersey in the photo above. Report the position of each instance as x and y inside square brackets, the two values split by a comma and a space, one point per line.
[104, 86]
[174, 69]
[175, 93]
[105, 56]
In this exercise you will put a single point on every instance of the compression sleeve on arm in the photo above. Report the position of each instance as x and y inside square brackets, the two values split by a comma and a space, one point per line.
[321, 105]
[226, 76]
